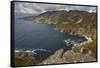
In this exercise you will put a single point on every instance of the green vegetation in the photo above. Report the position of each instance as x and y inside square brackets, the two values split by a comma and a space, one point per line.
[25, 59]
[65, 25]
[67, 22]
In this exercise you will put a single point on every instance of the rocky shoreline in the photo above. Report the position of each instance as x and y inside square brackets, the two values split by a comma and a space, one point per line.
[78, 23]
[74, 55]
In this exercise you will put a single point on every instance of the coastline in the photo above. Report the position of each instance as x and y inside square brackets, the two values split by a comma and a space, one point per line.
[89, 40]
[77, 51]
[75, 48]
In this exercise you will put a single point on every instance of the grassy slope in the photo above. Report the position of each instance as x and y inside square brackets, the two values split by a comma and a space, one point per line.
[85, 27]
[27, 59]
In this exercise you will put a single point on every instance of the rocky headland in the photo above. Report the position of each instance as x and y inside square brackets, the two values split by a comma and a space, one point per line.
[74, 22]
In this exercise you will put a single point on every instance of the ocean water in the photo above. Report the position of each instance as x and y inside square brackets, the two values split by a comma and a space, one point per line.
[41, 37]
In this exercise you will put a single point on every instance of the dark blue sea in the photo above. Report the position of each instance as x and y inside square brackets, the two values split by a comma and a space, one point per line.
[33, 36]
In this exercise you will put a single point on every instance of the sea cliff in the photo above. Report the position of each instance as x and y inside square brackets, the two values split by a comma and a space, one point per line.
[74, 22]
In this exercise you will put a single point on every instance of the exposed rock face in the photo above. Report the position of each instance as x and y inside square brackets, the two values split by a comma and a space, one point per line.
[76, 49]
[74, 22]
[80, 23]
[59, 53]
[72, 57]
[69, 56]
[55, 58]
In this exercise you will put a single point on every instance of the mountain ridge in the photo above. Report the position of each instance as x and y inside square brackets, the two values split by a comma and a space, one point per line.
[69, 21]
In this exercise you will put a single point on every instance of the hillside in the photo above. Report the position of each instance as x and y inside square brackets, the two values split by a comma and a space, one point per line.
[75, 22]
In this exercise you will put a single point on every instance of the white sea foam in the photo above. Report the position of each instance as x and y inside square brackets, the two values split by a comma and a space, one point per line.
[88, 40]
[17, 50]
[34, 50]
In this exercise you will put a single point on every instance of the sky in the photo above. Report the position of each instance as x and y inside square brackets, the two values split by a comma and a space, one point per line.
[37, 8]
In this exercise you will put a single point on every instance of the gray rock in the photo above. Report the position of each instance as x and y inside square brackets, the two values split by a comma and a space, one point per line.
[68, 57]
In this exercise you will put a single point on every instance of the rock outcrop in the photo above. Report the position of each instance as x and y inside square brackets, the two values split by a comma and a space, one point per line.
[70, 56]
[80, 23]
[73, 21]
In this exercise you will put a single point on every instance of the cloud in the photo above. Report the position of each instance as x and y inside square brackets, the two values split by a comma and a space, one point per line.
[37, 8]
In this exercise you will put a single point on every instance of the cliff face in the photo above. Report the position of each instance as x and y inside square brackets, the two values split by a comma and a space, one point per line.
[74, 22]
[68, 57]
